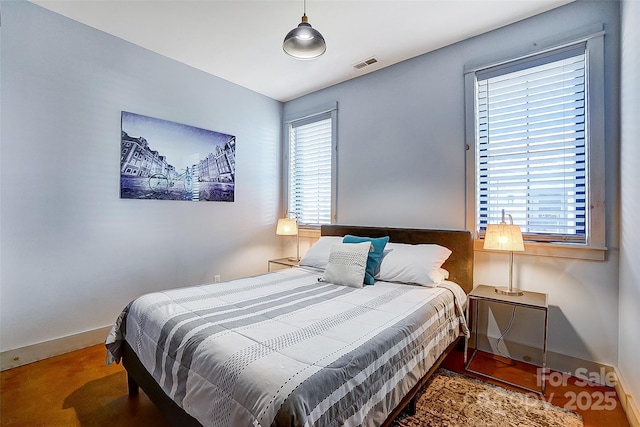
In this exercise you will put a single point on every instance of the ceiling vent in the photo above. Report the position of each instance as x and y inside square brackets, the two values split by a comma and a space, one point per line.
[365, 63]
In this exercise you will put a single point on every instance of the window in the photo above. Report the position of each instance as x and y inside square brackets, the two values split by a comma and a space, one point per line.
[538, 145]
[310, 167]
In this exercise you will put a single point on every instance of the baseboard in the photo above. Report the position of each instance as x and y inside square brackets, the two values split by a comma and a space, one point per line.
[626, 400]
[32, 353]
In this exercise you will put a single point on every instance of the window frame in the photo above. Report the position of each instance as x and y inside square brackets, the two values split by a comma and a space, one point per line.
[595, 246]
[330, 111]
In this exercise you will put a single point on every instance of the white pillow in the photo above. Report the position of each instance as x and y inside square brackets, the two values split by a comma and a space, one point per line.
[318, 255]
[347, 264]
[419, 264]
[439, 275]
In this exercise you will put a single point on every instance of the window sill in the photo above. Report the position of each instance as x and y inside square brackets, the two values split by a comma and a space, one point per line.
[313, 233]
[558, 250]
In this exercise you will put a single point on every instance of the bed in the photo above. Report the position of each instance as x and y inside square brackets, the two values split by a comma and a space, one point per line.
[287, 349]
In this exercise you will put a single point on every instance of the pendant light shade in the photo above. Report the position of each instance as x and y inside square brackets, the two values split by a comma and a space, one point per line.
[303, 42]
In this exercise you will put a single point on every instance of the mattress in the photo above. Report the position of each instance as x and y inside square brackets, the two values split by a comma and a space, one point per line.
[283, 349]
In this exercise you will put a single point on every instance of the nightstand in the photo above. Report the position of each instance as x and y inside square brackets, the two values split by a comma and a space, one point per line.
[530, 300]
[286, 262]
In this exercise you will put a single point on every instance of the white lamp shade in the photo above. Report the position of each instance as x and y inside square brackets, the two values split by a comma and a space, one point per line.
[503, 237]
[287, 227]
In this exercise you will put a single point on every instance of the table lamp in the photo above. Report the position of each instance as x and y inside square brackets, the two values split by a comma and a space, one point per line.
[289, 227]
[505, 237]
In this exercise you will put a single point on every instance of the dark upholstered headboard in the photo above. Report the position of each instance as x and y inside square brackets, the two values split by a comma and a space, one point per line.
[460, 242]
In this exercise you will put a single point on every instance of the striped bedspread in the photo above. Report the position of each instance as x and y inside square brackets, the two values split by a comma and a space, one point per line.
[283, 349]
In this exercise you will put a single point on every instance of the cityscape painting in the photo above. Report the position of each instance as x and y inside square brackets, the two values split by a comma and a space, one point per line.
[164, 160]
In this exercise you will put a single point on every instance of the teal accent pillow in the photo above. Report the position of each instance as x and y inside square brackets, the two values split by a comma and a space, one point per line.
[375, 254]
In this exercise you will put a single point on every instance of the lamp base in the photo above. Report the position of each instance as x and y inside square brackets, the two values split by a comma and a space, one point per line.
[292, 258]
[513, 292]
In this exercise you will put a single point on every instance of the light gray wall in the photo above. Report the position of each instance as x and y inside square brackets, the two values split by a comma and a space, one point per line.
[401, 162]
[629, 347]
[73, 253]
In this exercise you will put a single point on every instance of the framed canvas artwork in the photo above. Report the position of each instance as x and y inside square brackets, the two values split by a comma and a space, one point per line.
[164, 160]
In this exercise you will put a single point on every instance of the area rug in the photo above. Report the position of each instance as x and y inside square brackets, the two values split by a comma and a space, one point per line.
[453, 400]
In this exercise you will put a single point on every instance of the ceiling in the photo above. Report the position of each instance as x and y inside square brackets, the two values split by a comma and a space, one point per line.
[241, 41]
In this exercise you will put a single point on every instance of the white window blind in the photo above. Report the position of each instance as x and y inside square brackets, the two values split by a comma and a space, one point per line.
[310, 170]
[531, 148]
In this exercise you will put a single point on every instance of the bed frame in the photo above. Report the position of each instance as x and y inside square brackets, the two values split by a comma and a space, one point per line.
[459, 265]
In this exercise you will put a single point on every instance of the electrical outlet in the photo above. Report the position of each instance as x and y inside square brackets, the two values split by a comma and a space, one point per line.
[216, 278]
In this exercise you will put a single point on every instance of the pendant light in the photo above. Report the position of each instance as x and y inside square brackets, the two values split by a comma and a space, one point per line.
[303, 42]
